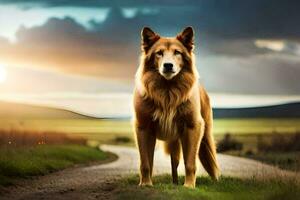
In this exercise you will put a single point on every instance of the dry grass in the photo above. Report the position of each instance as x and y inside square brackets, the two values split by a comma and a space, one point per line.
[19, 138]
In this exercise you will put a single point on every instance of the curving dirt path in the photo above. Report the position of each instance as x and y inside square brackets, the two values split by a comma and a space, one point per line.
[97, 182]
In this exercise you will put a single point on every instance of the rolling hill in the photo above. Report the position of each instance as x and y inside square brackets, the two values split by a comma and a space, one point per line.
[9, 110]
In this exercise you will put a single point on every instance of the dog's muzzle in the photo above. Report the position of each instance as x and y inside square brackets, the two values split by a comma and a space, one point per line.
[168, 68]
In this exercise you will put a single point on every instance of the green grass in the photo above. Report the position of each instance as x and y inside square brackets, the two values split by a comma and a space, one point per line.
[226, 188]
[24, 162]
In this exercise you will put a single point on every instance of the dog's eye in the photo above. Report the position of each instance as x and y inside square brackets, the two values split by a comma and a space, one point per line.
[176, 52]
[160, 53]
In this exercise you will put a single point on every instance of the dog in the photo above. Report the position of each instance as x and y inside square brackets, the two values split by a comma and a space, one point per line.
[170, 106]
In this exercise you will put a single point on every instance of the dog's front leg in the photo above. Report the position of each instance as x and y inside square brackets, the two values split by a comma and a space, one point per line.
[146, 143]
[190, 145]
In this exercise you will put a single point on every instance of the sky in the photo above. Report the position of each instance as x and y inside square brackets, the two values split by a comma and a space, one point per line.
[82, 55]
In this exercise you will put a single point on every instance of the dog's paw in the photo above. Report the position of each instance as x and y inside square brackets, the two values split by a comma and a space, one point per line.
[146, 184]
[189, 185]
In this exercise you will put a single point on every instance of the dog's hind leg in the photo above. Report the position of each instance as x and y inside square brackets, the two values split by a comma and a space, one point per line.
[173, 148]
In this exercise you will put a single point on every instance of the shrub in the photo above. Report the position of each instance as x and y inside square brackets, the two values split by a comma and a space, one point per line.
[228, 144]
[279, 143]
[122, 139]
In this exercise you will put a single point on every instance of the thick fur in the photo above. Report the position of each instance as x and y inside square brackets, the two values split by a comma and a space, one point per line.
[175, 110]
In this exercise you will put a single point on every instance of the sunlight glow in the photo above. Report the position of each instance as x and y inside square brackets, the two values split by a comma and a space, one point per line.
[274, 45]
[3, 74]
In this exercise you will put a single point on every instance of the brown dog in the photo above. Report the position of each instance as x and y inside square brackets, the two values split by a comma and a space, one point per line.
[170, 106]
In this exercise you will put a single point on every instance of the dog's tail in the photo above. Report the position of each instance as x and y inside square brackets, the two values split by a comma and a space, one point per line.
[207, 155]
[207, 151]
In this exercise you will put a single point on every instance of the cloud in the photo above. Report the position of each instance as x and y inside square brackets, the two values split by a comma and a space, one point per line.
[282, 46]
[39, 16]
[230, 19]
[274, 45]
[229, 57]
[257, 74]
[65, 45]
[100, 3]
[231, 47]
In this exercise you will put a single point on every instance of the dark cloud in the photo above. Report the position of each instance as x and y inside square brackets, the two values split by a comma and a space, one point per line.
[226, 19]
[103, 3]
[228, 58]
[212, 35]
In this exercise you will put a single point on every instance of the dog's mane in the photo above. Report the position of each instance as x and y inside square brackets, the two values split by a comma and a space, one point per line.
[167, 93]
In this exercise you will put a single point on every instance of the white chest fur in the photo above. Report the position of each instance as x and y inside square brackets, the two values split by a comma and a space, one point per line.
[167, 127]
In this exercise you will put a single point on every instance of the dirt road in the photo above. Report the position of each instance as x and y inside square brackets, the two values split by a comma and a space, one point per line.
[97, 182]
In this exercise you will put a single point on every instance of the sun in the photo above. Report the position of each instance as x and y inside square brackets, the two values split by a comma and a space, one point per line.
[3, 74]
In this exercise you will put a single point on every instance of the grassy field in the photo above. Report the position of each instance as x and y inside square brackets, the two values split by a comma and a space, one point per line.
[120, 132]
[92, 129]
[255, 126]
[16, 116]
[107, 130]
[47, 141]
[22, 162]
[226, 188]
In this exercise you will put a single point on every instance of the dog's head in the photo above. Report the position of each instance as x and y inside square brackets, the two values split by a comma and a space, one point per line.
[168, 56]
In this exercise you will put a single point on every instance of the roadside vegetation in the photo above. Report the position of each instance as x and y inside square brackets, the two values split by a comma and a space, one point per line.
[27, 154]
[282, 150]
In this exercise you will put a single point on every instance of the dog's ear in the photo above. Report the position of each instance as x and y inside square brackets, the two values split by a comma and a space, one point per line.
[149, 37]
[186, 37]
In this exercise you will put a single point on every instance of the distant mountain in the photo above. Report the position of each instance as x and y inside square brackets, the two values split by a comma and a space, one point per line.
[289, 110]
[10, 110]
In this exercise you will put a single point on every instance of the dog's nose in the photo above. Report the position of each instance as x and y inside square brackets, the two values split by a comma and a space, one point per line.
[168, 67]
